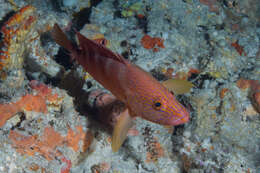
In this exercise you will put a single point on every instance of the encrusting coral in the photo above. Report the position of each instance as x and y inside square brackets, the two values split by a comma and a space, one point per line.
[30, 102]
[154, 43]
[15, 32]
[47, 143]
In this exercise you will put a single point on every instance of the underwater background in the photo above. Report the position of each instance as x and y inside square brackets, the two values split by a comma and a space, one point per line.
[55, 118]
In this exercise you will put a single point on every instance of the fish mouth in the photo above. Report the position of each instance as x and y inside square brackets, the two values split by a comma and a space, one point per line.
[180, 121]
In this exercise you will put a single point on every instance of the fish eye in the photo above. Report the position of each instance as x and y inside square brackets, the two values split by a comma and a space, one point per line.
[157, 105]
[103, 42]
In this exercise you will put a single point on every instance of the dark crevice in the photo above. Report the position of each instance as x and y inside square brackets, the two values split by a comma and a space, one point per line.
[199, 79]
[117, 13]
[81, 18]
[142, 23]
[220, 26]
[6, 18]
[18, 125]
[63, 58]
[158, 75]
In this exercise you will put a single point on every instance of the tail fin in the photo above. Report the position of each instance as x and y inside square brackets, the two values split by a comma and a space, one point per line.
[60, 38]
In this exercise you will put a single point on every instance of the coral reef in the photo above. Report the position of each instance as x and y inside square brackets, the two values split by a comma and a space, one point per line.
[54, 117]
[14, 45]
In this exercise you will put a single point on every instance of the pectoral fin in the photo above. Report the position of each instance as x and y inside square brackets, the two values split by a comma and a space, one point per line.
[178, 86]
[121, 128]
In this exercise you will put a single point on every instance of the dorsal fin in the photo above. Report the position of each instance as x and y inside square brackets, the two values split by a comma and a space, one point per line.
[95, 48]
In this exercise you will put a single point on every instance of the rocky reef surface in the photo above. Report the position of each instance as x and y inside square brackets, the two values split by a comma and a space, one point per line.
[53, 114]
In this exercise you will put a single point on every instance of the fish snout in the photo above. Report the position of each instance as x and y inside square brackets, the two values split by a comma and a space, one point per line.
[178, 120]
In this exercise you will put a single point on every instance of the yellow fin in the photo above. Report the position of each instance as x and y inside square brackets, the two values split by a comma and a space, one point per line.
[121, 128]
[178, 86]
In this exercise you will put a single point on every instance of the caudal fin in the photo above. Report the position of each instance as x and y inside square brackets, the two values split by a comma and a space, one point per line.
[60, 38]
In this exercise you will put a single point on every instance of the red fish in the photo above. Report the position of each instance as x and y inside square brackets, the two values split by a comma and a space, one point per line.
[143, 95]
